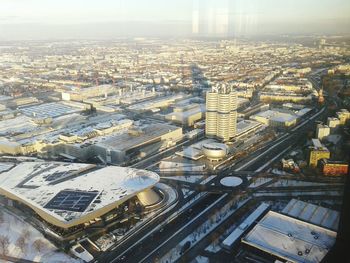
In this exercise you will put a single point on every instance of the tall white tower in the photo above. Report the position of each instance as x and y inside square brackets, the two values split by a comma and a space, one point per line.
[221, 115]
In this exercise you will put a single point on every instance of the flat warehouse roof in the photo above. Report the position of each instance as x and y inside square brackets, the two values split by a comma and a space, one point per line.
[52, 109]
[315, 214]
[290, 238]
[126, 141]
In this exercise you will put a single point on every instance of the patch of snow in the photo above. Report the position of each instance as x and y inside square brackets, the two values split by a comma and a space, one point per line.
[294, 183]
[14, 227]
[201, 259]
[259, 181]
[208, 179]
[203, 230]
[189, 178]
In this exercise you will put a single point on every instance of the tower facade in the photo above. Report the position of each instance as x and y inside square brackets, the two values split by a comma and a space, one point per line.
[221, 113]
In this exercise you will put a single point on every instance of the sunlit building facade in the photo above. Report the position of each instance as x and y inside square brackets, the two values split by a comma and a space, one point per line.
[221, 115]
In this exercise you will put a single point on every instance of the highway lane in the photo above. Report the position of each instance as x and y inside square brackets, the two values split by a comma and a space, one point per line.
[234, 219]
[252, 166]
[265, 158]
[284, 143]
[153, 241]
[184, 231]
[134, 250]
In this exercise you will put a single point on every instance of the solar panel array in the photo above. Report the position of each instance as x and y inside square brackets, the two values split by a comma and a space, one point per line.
[74, 201]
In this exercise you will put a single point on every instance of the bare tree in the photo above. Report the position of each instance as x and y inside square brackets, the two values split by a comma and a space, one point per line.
[39, 245]
[4, 244]
[21, 243]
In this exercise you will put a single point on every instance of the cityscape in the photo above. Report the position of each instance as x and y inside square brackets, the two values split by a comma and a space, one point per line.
[219, 145]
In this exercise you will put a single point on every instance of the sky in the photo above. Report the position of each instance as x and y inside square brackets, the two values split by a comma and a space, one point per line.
[39, 19]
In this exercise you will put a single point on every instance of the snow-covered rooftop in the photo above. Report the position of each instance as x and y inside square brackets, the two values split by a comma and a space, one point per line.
[290, 238]
[19, 124]
[315, 214]
[65, 193]
[52, 109]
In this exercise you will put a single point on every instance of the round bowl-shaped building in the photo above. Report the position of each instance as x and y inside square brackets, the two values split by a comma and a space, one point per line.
[214, 151]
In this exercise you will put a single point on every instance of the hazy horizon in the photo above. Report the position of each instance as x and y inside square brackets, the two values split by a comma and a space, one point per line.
[45, 19]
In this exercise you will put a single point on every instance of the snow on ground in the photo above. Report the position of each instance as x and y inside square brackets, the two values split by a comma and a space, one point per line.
[214, 247]
[203, 230]
[259, 181]
[208, 179]
[36, 247]
[299, 194]
[189, 178]
[294, 183]
[186, 192]
[201, 259]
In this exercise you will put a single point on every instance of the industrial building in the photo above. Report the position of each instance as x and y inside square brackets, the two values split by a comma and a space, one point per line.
[80, 94]
[221, 115]
[124, 96]
[246, 113]
[301, 232]
[137, 143]
[290, 239]
[314, 214]
[54, 109]
[275, 118]
[186, 115]
[283, 97]
[157, 103]
[248, 127]
[317, 151]
[66, 195]
[24, 136]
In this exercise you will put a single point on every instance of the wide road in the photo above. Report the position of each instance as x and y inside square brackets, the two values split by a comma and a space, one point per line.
[134, 250]
[145, 247]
